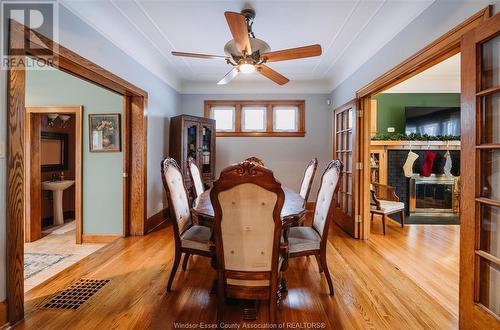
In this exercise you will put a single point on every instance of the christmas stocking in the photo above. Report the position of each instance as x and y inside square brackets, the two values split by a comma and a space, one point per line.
[428, 163]
[408, 166]
[447, 164]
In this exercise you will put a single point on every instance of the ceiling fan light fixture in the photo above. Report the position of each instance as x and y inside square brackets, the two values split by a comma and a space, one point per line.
[246, 68]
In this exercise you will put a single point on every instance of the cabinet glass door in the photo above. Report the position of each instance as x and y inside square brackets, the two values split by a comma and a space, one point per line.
[192, 140]
[206, 156]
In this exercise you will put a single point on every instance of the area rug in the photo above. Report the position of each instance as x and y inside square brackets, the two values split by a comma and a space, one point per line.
[34, 263]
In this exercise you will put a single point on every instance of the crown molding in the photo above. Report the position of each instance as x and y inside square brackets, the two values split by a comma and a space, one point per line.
[255, 87]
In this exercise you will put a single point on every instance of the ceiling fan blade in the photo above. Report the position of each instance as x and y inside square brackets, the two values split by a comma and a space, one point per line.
[238, 26]
[273, 75]
[292, 53]
[184, 54]
[229, 76]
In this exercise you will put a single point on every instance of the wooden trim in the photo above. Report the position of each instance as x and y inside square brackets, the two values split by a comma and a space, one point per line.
[80, 67]
[78, 112]
[98, 238]
[437, 51]
[156, 220]
[310, 206]
[269, 105]
[3, 313]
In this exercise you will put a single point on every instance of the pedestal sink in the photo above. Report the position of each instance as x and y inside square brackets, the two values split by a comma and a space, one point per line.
[57, 188]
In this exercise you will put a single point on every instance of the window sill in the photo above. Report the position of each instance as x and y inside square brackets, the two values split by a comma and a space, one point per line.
[261, 134]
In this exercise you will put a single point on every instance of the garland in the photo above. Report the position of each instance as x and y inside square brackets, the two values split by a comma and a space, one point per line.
[413, 137]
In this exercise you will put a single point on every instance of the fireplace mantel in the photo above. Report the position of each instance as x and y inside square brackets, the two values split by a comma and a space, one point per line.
[417, 145]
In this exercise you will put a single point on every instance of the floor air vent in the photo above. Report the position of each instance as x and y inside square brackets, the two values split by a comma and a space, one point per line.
[77, 294]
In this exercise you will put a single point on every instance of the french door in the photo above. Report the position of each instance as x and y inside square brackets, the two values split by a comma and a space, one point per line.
[344, 148]
[480, 178]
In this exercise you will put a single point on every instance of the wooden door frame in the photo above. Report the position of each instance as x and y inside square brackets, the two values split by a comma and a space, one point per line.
[28, 174]
[134, 147]
[445, 46]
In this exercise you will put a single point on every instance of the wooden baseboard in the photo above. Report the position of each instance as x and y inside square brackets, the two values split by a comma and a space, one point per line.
[3, 313]
[156, 220]
[96, 238]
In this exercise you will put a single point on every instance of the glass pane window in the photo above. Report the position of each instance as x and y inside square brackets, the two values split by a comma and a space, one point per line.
[490, 233]
[253, 119]
[224, 118]
[285, 119]
[489, 286]
[490, 64]
[490, 174]
[490, 116]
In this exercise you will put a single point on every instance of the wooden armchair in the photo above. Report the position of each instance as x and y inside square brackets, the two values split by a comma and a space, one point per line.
[189, 238]
[247, 202]
[305, 241]
[384, 202]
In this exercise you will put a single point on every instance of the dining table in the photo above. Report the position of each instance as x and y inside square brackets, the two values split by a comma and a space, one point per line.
[294, 207]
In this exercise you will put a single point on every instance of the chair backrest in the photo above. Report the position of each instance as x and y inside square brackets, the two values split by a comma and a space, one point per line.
[178, 201]
[330, 183]
[255, 160]
[195, 176]
[247, 202]
[307, 180]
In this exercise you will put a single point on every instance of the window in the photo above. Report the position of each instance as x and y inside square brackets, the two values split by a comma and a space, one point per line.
[285, 119]
[253, 119]
[257, 118]
[224, 118]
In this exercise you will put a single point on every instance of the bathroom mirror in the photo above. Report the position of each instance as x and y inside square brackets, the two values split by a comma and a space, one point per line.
[53, 151]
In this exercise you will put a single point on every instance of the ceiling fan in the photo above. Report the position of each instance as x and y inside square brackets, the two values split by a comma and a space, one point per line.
[248, 54]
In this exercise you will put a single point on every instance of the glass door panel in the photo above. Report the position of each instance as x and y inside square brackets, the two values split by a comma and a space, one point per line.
[191, 141]
[490, 70]
[206, 156]
[490, 112]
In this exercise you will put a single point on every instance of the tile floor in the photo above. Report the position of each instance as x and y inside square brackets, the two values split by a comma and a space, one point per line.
[60, 239]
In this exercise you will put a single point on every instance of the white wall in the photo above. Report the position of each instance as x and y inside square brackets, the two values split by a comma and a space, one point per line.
[436, 20]
[162, 104]
[286, 156]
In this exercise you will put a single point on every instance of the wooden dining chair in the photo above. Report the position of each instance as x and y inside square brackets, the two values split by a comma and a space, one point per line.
[255, 160]
[305, 241]
[190, 239]
[247, 202]
[195, 176]
[308, 179]
[385, 202]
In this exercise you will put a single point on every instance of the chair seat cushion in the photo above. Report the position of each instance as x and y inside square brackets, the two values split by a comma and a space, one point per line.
[303, 239]
[196, 237]
[238, 282]
[388, 206]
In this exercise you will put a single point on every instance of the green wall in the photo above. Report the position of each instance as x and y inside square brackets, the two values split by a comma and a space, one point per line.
[391, 107]
[102, 172]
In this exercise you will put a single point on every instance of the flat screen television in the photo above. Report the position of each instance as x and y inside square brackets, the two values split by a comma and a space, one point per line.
[433, 120]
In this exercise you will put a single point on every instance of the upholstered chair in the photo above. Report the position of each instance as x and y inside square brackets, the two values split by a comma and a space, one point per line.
[195, 176]
[308, 178]
[385, 202]
[305, 241]
[255, 160]
[189, 238]
[247, 202]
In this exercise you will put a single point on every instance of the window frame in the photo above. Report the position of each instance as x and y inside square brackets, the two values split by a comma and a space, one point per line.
[224, 107]
[269, 105]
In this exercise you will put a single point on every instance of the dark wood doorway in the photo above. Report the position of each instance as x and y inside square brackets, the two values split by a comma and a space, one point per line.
[22, 42]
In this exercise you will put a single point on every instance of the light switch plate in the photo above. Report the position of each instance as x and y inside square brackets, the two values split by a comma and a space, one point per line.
[2, 150]
[390, 129]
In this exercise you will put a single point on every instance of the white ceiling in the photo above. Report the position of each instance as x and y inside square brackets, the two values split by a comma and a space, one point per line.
[350, 32]
[443, 77]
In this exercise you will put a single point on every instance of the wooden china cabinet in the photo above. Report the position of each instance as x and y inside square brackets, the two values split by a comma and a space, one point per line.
[194, 137]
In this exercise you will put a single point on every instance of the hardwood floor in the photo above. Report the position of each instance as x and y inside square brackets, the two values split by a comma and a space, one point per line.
[427, 254]
[370, 291]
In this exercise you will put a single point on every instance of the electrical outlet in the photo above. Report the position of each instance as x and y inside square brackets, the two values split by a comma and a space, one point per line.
[390, 129]
[2, 150]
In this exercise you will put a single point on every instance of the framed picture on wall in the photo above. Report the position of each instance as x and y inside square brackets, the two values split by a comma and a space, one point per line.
[104, 132]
